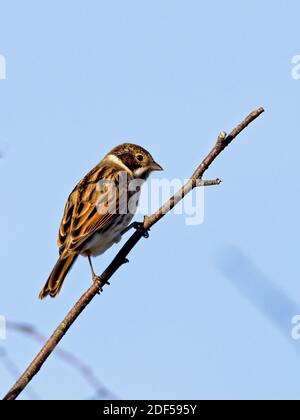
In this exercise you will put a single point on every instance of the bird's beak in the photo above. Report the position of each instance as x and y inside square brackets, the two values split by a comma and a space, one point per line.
[155, 167]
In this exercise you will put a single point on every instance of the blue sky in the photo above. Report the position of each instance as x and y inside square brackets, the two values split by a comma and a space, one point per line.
[179, 321]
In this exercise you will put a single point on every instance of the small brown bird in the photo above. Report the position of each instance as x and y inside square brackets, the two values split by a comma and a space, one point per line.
[97, 211]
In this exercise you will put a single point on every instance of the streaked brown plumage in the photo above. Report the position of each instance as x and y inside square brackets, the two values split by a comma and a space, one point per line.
[93, 219]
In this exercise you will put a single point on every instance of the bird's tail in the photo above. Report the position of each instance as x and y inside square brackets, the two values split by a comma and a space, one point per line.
[56, 278]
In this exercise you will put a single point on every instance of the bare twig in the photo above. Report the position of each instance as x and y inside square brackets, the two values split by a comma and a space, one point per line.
[222, 142]
[208, 183]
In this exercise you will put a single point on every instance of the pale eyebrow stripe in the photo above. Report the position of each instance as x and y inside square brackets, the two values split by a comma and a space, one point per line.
[118, 162]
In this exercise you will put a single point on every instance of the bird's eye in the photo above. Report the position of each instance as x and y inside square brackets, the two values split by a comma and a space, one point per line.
[140, 157]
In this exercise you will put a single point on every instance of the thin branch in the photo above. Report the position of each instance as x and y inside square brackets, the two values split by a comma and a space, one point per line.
[209, 183]
[222, 142]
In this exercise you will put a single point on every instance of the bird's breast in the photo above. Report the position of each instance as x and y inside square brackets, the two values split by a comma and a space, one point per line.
[102, 240]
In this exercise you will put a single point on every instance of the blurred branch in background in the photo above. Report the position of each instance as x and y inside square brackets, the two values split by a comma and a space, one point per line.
[3, 149]
[258, 289]
[100, 391]
[13, 370]
[196, 180]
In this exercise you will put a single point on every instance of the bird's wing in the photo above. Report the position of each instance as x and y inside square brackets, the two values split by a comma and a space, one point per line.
[65, 225]
[92, 206]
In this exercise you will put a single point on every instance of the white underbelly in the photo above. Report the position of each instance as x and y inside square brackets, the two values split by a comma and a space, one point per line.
[101, 241]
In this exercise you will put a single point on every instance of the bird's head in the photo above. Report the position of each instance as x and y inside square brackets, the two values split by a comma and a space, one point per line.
[136, 159]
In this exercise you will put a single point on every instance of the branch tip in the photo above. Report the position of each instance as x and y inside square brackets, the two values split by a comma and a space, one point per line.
[222, 137]
[210, 182]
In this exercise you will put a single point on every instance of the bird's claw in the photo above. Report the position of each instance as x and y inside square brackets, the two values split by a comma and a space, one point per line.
[139, 226]
[98, 281]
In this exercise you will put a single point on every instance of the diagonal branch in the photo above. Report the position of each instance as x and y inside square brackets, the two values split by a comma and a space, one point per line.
[222, 142]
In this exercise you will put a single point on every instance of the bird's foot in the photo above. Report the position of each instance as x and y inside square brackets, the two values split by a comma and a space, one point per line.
[98, 280]
[139, 226]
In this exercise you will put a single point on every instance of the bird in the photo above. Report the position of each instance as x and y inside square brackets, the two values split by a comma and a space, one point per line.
[99, 210]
